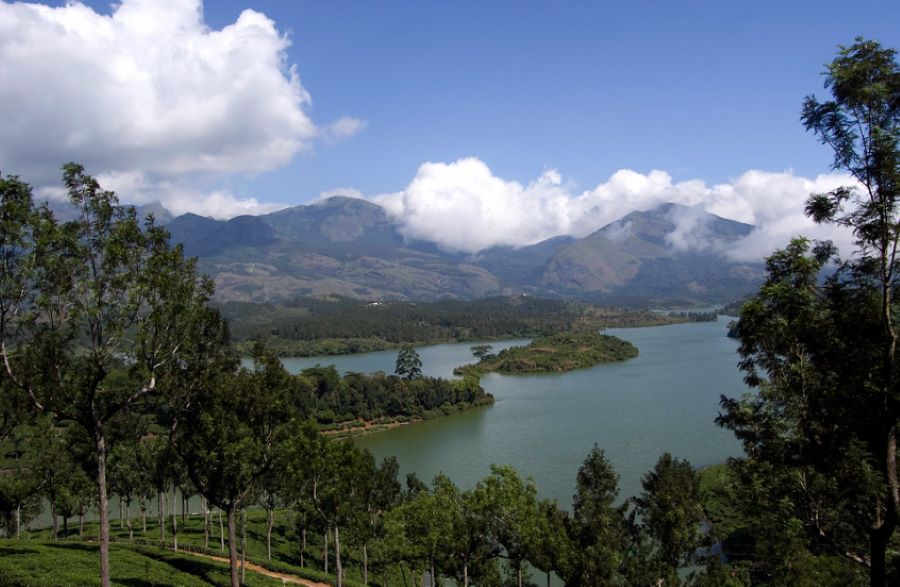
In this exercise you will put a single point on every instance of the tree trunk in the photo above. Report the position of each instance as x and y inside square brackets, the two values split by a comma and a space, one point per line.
[81, 523]
[103, 507]
[243, 546]
[325, 550]
[232, 547]
[337, 556]
[270, 521]
[221, 533]
[365, 564]
[65, 526]
[144, 514]
[121, 514]
[520, 574]
[161, 515]
[205, 524]
[55, 520]
[466, 575]
[18, 520]
[174, 520]
[302, 546]
[184, 503]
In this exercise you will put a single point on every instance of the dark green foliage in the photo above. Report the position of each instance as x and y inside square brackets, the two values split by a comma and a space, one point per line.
[559, 352]
[818, 489]
[409, 365]
[670, 513]
[309, 326]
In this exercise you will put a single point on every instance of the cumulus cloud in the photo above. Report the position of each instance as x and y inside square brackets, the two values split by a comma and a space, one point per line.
[464, 207]
[148, 90]
[343, 128]
[180, 198]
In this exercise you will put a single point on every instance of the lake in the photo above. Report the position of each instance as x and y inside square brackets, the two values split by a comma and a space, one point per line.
[665, 400]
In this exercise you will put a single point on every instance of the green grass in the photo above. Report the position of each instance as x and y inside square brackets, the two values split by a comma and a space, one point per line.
[38, 563]
[285, 547]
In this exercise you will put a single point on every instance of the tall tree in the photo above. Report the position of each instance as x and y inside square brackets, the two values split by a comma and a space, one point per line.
[823, 356]
[597, 527]
[226, 434]
[409, 365]
[669, 517]
[85, 299]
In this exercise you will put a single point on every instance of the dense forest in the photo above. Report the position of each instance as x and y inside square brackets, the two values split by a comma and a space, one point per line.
[310, 326]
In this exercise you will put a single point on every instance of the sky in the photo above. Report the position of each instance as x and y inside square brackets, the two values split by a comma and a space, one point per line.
[475, 123]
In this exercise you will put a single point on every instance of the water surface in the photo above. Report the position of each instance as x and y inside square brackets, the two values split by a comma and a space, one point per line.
[544, 425]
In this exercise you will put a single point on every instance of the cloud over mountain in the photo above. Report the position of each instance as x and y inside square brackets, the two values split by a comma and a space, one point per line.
[147, 95]
[464, 207]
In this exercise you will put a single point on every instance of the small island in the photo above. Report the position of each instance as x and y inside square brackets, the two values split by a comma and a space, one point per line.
[552, 354]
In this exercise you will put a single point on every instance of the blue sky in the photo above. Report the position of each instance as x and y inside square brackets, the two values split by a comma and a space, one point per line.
[700, 89]
[703, 91]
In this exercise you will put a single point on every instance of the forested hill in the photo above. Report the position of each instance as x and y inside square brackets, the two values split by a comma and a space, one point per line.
[671, 254]
[313, 326]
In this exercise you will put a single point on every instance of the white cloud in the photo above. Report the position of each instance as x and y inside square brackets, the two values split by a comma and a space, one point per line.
[343, 128]
[180, 199]
[346, 192]
[464, 207]
[148, 90]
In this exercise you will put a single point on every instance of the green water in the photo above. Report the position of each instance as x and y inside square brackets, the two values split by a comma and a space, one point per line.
[544, 425]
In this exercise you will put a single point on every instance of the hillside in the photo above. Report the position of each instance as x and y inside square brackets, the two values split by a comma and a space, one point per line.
[350, 247]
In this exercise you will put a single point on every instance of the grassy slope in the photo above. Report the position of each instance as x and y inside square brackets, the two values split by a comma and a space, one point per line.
[132, 559]
[40, 563]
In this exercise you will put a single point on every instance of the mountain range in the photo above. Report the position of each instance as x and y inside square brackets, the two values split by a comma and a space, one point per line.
[671, 254]
[351, 247]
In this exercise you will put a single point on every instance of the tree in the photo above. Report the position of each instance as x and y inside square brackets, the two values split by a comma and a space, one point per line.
[669, 514]
[823, 354]
[597, 527]
[508, 505]
[482, 352]
[82, 300]
[409, 365]
[226, 433]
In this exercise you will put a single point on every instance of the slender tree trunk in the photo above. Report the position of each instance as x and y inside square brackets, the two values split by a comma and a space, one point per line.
[55, 520]
[161, 515]
[365, 564]
[103, 507]
[325, 549]
[243, 546]
[232, 548]
[302, 546]
[174, 520]
[205, 523]
[143, 514]
[184, 504]
[18, 520]
[221, 533]
[270, 521]
[65, 526]
[466, 575]
[403, 574]
[81, 523]
[337, 556]
[121, 514]
[520, 574]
